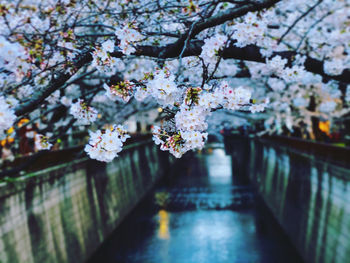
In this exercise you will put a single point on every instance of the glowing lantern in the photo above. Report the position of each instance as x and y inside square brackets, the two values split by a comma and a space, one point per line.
[325, 126]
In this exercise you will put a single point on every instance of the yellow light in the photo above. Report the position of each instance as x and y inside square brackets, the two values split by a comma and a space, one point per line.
[7, 140]
[325, 127]
[160, 110]
[10, 130]
[22, 121]
[163, 231]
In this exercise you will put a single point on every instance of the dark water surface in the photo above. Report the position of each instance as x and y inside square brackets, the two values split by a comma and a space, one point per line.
[200, 213]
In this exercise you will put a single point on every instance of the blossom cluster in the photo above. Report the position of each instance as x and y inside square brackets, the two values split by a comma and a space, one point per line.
[123, 90]
[161, 86]
[191, 118]
[178, 143]
[7, 116]
[84, 114]
[102, 60]
[105, 145]
[13, 58]
[252, 29]
[211, 48]
[291, 105]
[83, 46]
[188, 130]
[233, 99]
[42, 142]
[259, 107]
[127, 36]
[335, 66]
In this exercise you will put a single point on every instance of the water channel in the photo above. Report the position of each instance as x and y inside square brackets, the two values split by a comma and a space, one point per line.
[199, 213]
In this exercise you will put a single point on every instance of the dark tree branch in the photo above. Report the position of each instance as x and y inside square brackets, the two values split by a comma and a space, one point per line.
[249, 53]
[39, 97]
[193, 48]
[172, 50]
[252, 53]
[218, 19]
[298, 19]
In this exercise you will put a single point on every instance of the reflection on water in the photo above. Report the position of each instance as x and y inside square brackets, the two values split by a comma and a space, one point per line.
[163, 231]
[219, 169]
[202, 213]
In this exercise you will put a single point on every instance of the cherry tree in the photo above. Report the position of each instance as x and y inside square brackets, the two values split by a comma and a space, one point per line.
[89, 64]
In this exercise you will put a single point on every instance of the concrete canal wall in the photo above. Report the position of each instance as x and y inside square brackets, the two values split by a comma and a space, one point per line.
[307, 190]
[63, 213]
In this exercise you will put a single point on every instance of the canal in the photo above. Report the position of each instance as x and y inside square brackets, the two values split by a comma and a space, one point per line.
[199, 213]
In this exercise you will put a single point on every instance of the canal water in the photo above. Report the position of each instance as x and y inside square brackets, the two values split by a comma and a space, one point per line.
[199, 213]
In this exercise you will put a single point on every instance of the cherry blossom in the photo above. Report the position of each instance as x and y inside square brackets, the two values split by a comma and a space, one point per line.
[42, 142]
[105, 146]
[106, 60]
[84, 114]
[7, 116]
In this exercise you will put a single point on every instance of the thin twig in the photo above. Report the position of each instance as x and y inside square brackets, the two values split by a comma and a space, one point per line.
[298, 19]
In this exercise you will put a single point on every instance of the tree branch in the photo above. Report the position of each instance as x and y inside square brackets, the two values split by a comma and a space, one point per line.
[252, 53]
[218, 19]
[298, 19]
[248, 53]
[191, 48]
[39, 97]
[171, 50]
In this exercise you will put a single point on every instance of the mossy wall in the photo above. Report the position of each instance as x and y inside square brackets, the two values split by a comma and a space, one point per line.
[309, 195]
[63, 213]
